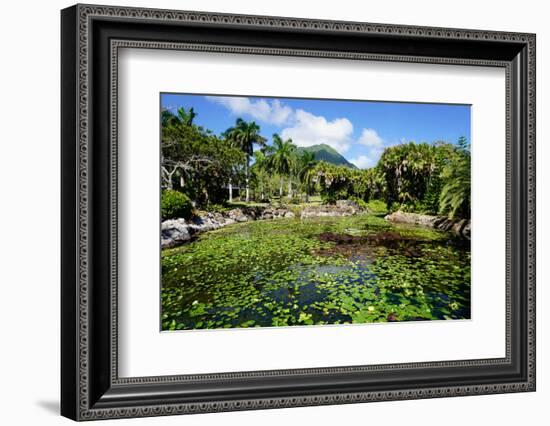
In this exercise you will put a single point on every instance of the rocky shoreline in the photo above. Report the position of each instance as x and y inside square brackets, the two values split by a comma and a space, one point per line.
[461, 228]
[175, 232]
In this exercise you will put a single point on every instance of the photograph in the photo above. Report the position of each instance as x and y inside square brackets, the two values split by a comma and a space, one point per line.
[264, 209]
[283, 212]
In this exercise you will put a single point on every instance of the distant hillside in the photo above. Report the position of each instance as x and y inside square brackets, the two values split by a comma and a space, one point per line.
[324, 152]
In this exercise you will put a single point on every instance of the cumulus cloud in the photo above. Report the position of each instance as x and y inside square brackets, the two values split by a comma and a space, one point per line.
[309, 129]
[363, 162]
[373, 148]
[370, 138]
[268, 111]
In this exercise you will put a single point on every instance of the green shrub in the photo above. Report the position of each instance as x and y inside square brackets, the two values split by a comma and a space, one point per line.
[175, 204]
[361, 203]
[293, 200]
[377, 207]
[296, 209]
[410, 207]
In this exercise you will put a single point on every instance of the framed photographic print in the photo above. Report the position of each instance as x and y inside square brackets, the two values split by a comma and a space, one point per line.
[263, 212]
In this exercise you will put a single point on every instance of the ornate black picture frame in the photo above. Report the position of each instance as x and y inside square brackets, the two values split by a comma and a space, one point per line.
[91, 36]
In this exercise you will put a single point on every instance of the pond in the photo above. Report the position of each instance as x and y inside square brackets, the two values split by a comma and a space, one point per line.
[331, 270]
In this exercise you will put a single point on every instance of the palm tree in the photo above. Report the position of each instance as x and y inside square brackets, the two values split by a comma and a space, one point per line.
[181, 118]
[260, 172]
[306, 170]
[244, 135]
[455, 194]
[282, 158]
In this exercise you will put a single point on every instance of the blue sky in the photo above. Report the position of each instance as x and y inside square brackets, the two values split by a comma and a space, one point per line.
[359, 130]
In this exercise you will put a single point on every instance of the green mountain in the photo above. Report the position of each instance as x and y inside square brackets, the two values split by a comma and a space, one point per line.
[326, 153]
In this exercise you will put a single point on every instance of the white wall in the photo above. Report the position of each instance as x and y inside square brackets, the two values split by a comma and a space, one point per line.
[29, 233]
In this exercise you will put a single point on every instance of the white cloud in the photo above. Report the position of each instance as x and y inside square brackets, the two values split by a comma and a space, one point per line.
[272, 112]
[370, 138]
[363, 162]
[374, 147]
[309, 129]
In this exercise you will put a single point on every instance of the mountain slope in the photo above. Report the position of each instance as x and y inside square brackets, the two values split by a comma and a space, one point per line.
[326, 153]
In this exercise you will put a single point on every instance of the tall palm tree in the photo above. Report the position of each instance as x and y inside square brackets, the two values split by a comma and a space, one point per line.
[282, 158]
[260, 170]
[244, 135]
[306, 170]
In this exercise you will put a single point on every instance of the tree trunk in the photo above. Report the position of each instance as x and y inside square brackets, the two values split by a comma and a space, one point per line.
[169, 181]
[289, 188]
[281, 190]
[182, 182]
[247, 178]
[167, 177]
[230, 185]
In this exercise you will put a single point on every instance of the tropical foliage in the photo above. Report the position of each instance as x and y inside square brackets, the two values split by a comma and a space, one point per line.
[432, 178]
[454, 198]
[243, 136]
[195, 161]
[305, 171]
[316, 270]
[175, 204]
[340, 183]
[411, 174]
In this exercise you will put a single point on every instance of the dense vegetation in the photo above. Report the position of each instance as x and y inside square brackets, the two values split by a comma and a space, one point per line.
[175, 204]
[320, 270]
[285, 272]
[432, 178]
